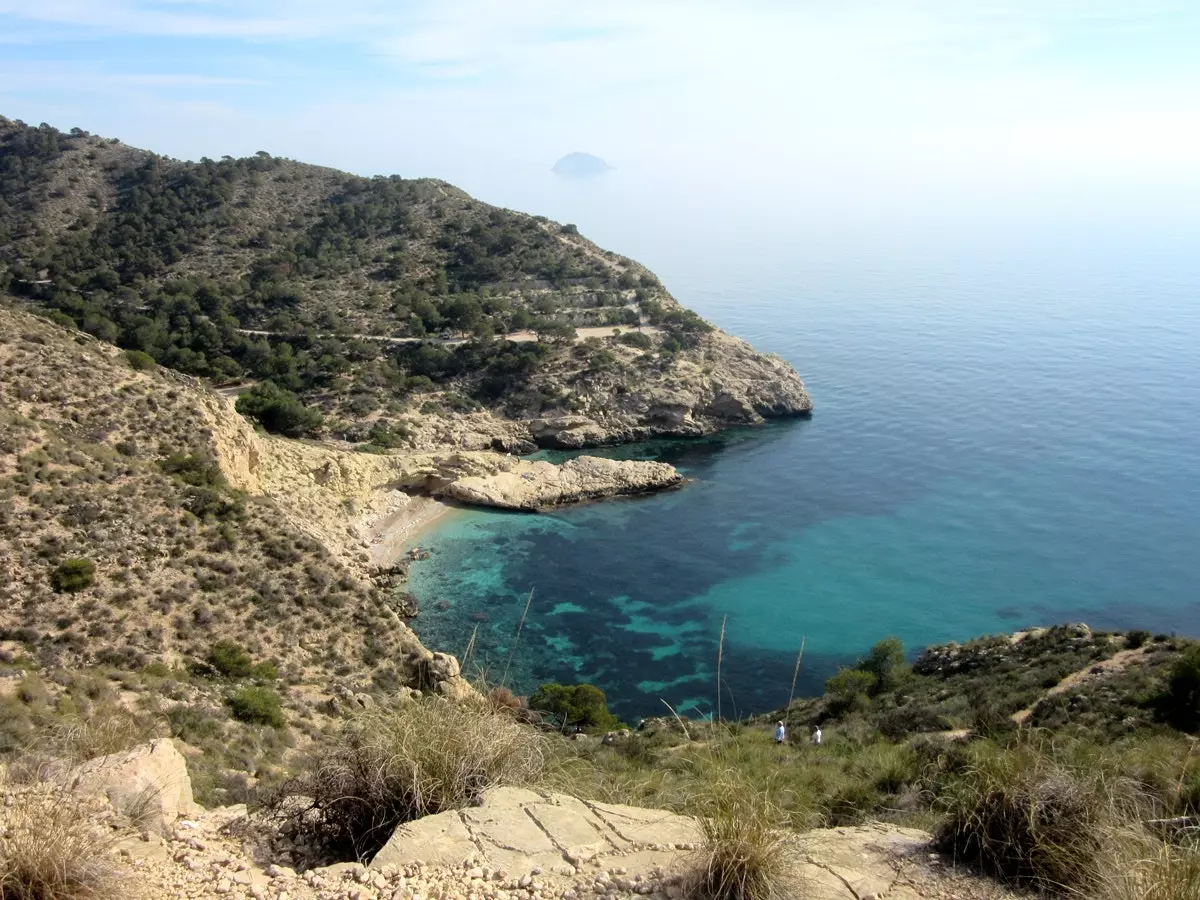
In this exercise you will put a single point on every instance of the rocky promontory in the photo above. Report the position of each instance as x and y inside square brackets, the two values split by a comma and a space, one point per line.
[722, 382]
[539, 485]
[387, 313]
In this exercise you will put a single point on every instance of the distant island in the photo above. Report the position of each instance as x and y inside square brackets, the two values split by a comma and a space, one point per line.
[581, 165]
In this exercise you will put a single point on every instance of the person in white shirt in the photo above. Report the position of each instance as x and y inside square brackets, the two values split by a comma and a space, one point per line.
[816, 735]
[780, 732]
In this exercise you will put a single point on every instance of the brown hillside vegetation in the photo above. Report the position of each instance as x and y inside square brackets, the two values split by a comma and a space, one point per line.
[118, 468]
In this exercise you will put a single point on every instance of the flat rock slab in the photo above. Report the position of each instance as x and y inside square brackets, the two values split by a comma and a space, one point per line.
[519, 830]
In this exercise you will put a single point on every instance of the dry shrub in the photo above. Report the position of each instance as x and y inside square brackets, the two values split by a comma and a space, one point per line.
[106, 731]
[746, 852]
[1138, 865]
[1021, 816]
[504, 700]
[387, 767]
[49, 851]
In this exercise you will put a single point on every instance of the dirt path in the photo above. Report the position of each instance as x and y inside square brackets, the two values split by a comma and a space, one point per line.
[1118, 662]
[517, 337]
[582, 334]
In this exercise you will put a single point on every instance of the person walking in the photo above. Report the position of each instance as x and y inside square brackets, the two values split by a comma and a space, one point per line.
[816, 735]
[780, 732]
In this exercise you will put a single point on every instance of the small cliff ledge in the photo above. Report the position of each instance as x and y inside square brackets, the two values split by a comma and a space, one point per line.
[533, 486]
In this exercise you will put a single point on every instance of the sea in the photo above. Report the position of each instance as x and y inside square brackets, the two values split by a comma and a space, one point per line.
[1006, 434]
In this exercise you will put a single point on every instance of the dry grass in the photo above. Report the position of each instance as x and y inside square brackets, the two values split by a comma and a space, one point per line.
[108, 731]
[746, 852]
[393, 766]
[49, 851]
[1138, 865]
[1021, 816]
[103, 463]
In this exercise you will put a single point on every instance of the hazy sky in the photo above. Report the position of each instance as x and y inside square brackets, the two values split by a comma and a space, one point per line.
[860, 97]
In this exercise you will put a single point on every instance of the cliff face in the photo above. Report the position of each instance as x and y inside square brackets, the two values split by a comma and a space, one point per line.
[404, 311]
[721, 383]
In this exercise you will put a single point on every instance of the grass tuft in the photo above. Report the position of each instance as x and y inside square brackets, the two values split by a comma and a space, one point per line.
[1140, 866]
[745, 853]
[48, 851]
[387, 767]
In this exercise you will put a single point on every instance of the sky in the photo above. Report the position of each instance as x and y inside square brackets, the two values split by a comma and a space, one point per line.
[862, 105]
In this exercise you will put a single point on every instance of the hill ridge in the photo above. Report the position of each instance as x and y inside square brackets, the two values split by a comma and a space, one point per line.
[185, 261]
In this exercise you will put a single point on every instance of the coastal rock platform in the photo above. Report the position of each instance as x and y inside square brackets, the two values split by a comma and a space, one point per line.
[539, 485]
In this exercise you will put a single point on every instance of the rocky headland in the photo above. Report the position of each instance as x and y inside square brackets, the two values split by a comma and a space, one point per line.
[534, 486]
[384, 312]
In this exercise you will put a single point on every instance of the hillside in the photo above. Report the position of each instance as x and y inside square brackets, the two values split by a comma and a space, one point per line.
[189, 527]
[392, 307]
[119, 467]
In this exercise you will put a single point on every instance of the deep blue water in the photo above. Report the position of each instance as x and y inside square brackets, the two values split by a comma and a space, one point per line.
[1001, 438]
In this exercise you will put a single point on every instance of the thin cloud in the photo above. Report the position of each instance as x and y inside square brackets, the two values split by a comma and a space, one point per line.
[907, 90]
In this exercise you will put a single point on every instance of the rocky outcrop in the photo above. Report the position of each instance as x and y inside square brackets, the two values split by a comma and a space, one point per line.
[519, 830]
[329, 491]
[540, 485]
[721, 383]
[992, 653]
[149, 784]
[440, 673]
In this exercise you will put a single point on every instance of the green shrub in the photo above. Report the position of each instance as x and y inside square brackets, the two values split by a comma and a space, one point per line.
[230, 659]
[849, 690]
[1179, 702]
[278, 410]
[140, 361]
[58, 317]
[392, 766]
[257, 706]
[193, 469]
[575, 706]
[885, 663]
[636, 339]
[1135, 639]
[73, 575]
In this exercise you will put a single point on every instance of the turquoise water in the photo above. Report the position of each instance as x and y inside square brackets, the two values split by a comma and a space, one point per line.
[998, 441]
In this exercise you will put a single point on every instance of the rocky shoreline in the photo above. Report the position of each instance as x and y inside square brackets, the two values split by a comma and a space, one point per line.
[533, 486]
[720, 383]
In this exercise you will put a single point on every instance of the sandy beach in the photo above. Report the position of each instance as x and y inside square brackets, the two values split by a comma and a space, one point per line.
[397, 531]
